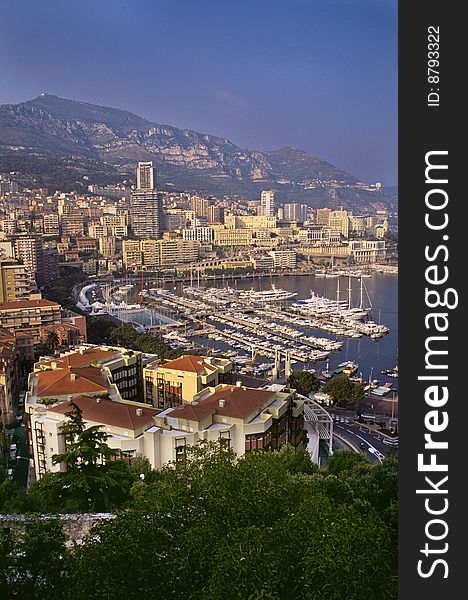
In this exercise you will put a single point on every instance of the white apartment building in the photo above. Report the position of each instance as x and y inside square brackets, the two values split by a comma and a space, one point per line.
[150, 254]
[368, 251]
[232, 237]
[199, 234]
[318, 234]
[250, 221]
[295, 212]
[246, 419]
[267, 203]
[284, 259]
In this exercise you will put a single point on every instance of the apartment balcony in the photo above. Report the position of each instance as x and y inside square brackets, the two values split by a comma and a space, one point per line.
[259, 424]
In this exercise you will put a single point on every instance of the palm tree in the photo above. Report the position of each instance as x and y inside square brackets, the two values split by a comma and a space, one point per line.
[52, 341]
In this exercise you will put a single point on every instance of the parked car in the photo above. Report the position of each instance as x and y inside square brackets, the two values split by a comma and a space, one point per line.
[13, 452]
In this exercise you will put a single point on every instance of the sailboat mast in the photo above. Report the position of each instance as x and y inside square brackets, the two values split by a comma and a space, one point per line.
[142, 285]
[349, 291]
[338, 290]
[367, 294]
[361, 295]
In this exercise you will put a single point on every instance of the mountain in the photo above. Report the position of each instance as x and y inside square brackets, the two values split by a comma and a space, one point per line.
[68, 144]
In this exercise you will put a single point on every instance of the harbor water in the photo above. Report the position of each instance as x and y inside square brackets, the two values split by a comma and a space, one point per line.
[381, 292]
[372, 355]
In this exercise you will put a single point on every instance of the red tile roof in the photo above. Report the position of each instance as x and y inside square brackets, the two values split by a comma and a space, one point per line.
[239, 403]
[60, 382]
[6, 335]
[194, 412]
[60, 327]
[18, 304]
[23, 334]
[78, 359]
[189, 362]
[109, 412]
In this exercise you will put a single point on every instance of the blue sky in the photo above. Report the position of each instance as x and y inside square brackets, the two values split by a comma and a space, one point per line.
[320, 75]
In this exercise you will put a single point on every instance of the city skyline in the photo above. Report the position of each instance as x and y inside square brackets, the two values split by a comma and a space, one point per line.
[311, 77]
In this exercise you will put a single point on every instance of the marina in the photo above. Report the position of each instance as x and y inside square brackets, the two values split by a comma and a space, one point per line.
[309, 322]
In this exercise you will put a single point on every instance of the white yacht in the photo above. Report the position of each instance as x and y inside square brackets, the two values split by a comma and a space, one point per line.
[265, 296]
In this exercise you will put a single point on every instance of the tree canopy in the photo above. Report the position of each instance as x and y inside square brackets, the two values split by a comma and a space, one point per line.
[304, 382]
[342, 390]
[36, 566]
[270, 525]
[93, 479]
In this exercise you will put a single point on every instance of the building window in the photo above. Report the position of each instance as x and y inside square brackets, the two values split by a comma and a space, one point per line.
[180, 450]
[258, 441]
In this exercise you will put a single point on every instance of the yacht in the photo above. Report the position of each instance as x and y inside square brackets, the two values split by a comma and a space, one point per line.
[272, 295]
[349, 367]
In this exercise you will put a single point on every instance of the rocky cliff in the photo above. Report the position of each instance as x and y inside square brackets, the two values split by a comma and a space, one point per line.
[67, 143]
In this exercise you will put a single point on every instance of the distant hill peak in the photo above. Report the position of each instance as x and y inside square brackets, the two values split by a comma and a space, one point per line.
[105, 143]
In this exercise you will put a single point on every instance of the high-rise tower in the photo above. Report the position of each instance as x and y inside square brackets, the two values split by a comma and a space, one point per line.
[146, 204]
[145, 176]
[267, 203]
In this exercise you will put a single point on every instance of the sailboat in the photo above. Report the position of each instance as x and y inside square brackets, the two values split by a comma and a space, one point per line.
[326, 372]
[332, 274]
[360, 311]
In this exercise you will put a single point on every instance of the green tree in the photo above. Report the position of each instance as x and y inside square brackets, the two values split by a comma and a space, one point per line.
[48, 346]
[142, 471]
[295, 460]
[342, 390]
[304, 382]
[85, 446]
[99, 329]
[373, 483]
[93, 480]
[52, 341]
[6, 561]
[269, 525]
[37, 565]
[344, 461]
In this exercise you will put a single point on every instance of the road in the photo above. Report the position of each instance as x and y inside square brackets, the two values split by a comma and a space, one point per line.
[370, 443]
[22, 459]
